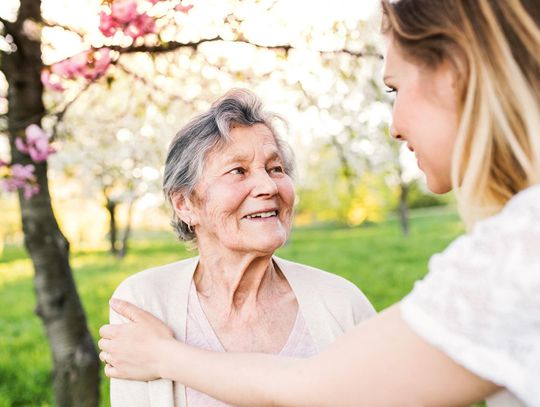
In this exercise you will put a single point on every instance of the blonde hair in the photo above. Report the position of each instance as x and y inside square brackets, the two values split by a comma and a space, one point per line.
[494, 47]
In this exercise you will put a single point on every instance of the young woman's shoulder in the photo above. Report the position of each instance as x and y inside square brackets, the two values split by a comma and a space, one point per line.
[479, 302]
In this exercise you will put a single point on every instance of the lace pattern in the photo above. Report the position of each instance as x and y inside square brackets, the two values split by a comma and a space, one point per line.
[480, 302]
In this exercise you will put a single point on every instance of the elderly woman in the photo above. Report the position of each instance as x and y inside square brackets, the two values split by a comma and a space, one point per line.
[228, 179]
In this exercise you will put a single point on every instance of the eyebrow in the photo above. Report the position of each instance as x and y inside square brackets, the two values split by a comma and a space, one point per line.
[238, 156]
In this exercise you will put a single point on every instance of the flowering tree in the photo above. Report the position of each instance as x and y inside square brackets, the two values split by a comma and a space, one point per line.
[126, 27]
[76, 365]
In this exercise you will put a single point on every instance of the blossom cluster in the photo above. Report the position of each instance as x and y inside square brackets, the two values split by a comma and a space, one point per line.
[18, 176]
[90, 65]
[125, 17]
[35, 144]
[119, 16]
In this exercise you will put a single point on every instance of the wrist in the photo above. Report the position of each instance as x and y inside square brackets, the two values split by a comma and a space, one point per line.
[169, 351]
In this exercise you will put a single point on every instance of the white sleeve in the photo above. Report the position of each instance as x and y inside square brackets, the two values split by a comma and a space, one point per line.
[480, 302]
[126, 393]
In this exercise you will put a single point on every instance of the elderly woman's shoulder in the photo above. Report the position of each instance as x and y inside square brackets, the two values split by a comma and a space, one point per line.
[326, 286]
[157, 280]
[313, 275]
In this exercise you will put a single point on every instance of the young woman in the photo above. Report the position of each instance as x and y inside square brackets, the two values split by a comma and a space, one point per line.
[467, 79]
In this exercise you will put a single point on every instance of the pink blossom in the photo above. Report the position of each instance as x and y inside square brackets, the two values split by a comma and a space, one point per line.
[97, 63]
[22, 176]
[183, 9]
[8, 185]
[23, 172]
[51, 81]
[21, 146]
[123, 16]
[88, 64]
[124, 11]
[29, 190]
[69, 68]
[36, 144]
[153, 1]
[107, 24]
[142, 25]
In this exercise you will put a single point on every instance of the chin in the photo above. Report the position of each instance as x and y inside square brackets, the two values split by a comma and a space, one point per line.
[439, 190]
[268, 246]
[438, 187]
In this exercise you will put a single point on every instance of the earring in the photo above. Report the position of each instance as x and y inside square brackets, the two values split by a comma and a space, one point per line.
[189, 227]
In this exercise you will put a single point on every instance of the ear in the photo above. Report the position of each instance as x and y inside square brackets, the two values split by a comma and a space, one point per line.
[184, 208]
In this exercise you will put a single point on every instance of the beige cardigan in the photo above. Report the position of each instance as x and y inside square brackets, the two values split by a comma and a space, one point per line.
[329, 303]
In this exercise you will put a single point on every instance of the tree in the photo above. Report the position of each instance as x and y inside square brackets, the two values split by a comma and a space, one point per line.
[76, 366]
[151, 27]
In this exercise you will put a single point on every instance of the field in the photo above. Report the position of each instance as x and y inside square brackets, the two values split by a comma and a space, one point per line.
[377, 258]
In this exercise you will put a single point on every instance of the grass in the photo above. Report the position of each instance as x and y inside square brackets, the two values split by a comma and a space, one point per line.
[382, 262]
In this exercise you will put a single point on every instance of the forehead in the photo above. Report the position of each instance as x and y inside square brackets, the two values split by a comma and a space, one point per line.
[256, 133]
[394, 62]
[244, 142]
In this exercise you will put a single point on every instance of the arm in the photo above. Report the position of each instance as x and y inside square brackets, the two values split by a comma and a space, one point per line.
[380, 362]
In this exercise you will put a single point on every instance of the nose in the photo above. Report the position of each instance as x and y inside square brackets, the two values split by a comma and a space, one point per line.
[263, 184]
[394, 133]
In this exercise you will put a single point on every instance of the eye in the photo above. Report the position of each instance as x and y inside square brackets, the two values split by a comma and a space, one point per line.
[277, 169]
[237, 171]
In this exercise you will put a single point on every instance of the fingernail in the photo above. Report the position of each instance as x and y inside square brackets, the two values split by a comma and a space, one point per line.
[113, 302]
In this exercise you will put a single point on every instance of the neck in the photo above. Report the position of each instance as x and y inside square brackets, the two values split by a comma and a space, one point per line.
[235, 280]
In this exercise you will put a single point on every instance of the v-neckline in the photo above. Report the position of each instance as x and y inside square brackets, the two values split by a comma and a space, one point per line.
[207, 326]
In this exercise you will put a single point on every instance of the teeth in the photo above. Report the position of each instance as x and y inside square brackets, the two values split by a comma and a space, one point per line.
[262, 215]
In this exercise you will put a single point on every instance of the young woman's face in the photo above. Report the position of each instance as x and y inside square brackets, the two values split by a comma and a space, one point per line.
[425, 115]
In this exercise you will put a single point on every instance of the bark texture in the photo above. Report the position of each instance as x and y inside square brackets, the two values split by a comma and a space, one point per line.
[403, 208]
[76, 364]
[110, 206]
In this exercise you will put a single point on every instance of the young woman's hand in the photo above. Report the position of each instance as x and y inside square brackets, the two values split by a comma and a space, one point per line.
[134, 350]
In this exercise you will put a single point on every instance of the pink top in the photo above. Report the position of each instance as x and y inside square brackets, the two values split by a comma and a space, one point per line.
[199, 333]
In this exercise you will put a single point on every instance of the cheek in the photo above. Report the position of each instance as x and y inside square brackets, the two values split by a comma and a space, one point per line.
[287, 194]
[226, 198]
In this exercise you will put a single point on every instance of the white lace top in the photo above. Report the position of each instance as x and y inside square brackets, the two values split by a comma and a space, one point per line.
[480, 302]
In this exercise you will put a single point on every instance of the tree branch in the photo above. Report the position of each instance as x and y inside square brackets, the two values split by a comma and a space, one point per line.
[60, 114]
[174, 45]
[64, 27]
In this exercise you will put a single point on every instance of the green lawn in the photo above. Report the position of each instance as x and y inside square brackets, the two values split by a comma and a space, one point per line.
[377, 258]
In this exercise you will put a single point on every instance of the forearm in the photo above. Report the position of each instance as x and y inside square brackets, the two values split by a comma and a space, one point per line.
[245, 379]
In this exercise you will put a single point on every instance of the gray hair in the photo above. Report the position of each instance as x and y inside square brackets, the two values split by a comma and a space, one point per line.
[206, 132]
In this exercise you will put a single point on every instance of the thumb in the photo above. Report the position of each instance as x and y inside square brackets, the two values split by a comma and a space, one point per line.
[126, 309]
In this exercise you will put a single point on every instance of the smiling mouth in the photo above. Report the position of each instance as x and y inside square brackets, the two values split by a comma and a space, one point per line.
[262, 215]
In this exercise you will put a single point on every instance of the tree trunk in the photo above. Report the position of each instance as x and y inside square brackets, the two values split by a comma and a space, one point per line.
[127, 232]
[403, 208]
[111, 205]
[76, 364]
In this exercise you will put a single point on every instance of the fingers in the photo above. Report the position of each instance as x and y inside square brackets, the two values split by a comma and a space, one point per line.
[107, 331]
[111, 371]
[104, 345]
[105, 357]
[126, 309]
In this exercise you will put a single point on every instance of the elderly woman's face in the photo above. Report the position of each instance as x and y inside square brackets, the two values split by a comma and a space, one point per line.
[244, 199]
